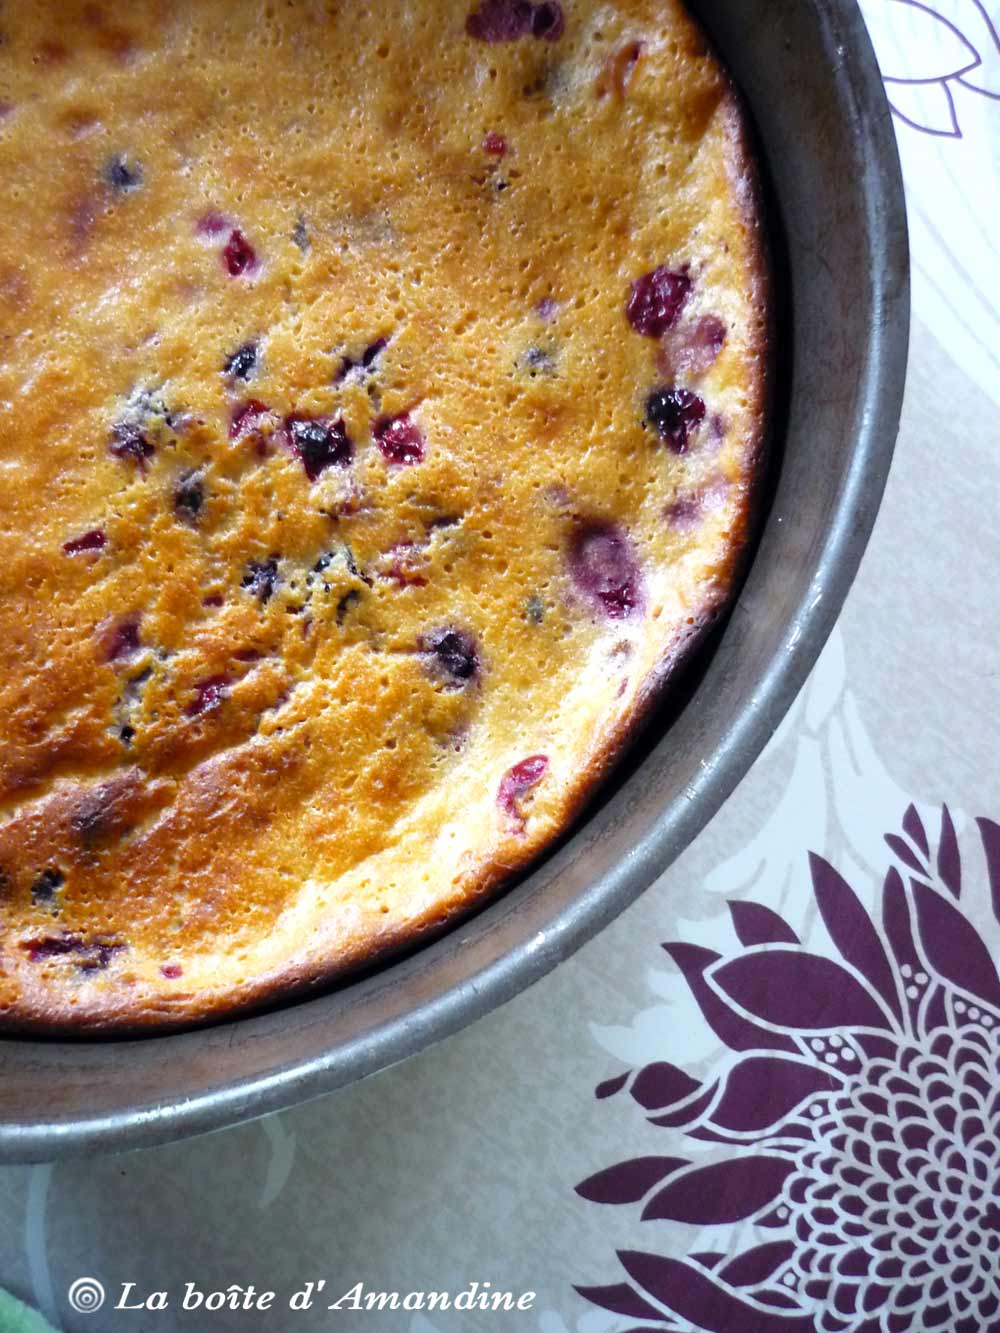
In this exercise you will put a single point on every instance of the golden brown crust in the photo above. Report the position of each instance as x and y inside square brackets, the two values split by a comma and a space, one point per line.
[192, 779]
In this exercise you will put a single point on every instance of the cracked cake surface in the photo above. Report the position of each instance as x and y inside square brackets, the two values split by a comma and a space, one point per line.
[381, 403]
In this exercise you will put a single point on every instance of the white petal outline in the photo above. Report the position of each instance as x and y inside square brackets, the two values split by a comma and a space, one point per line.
[915, 43]
[982, 33]
[928, 107]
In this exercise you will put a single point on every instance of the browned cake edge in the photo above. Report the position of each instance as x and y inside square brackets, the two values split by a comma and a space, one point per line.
[39, 1010]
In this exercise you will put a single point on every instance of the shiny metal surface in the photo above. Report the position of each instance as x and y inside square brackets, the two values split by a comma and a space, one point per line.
[808, 74]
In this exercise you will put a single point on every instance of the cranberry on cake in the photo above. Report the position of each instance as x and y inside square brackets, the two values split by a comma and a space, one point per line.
[378, 435]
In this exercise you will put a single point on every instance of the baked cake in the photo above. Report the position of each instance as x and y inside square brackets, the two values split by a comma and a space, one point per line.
[381, 399]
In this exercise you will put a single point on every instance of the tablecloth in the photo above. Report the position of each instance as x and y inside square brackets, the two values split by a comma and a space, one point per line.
[765, 1100]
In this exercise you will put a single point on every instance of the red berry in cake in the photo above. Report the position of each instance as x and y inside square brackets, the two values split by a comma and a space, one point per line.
[94, 540]
[248, 418]
[656, 300]
[399, 439]
[517, 782]
[605, 569]
[319, 443]
[211, 224]
[690, 349]
[453, 655]
[676, 414]
[494, 144]
[208, 695]
[129, 441]
[238, 255]
[119, 638]
[171, 971]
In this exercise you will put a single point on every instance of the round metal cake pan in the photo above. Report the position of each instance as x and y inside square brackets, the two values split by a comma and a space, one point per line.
[809, 77]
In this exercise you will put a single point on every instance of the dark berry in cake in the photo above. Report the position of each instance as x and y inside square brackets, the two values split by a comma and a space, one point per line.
[453, 655]
[364, 365]
[45, 889]
[261, 579]
[399, 439]
[494, 144]
[319, 443]
[547, 20]
[129, 441]
[189, 497]
[123, 173]
[500, 20]
[604, 567]
[656, 300]
[242, 364]
[676, 414]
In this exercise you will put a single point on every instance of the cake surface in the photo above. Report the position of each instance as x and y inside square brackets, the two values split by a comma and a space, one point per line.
[381, 401]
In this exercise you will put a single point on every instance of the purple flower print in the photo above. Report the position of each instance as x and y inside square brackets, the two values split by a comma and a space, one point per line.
[931, 55]
[856, 1127]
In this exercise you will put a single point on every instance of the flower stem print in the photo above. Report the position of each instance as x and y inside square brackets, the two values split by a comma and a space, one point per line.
[933, 56]
[855, 1129]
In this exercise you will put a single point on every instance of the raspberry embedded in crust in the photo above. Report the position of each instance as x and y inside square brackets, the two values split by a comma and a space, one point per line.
[656, 300]
[399, 439]
[88, 542]
[248, 418]
[208, 695]
[120, 638]
[605, 569]
[519, 779]
[690, 349]
[211, 224]
[238, 255]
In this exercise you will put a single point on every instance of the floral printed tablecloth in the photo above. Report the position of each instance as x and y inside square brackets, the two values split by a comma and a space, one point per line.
[767, 1099]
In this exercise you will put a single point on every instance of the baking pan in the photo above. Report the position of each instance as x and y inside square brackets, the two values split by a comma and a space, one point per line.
[809, 77]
